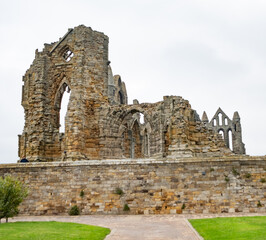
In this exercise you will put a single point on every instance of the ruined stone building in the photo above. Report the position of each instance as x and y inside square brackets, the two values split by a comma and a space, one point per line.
[100, 123]
[162, 156]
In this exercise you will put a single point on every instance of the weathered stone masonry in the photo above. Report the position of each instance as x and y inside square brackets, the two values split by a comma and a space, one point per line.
[171, 162]
[209, 185]
[99, 123]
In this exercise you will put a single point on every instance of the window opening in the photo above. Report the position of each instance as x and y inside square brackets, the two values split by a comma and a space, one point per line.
[230, 138]
[214, 122]
[121, 98]
[141, 118]
[221, 132]
[220, 119]
[226, 121]
[63, 110]
[68, 55]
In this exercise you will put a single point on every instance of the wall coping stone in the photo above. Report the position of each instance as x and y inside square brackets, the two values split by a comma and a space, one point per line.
[144, 161]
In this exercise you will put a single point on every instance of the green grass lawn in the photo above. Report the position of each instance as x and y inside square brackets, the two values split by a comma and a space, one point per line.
[51, 231]
[235, 228]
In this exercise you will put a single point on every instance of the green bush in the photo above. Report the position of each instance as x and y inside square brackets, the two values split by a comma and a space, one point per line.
[126, 208]
[235, 172]
[74, 210]
[82, 193]
[12, 193]
[259, 204]
[247, 175]
[119, 191]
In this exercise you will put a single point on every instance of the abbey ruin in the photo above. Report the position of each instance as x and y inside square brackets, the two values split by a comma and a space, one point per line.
[162, 156]
[100, 124]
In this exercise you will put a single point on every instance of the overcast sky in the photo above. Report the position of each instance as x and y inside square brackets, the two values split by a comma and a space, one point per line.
[211, 52]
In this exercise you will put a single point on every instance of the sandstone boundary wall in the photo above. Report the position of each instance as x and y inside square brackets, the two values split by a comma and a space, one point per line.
[149, 186]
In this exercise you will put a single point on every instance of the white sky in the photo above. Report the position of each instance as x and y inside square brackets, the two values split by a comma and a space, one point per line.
[211, 52]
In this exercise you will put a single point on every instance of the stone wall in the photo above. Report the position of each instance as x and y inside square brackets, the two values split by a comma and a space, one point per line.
[191, 185]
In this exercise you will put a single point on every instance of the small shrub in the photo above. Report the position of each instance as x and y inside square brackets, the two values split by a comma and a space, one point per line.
[126, 207]
[212, 169]
[226, 179]
[235, 172]
[262, 180]
[74, 210]
[259, 204]
[247, 175]
[12, 193]
[183, 206]
[119, 191]
[82, 193]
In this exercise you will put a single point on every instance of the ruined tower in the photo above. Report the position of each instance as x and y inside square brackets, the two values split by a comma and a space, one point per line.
[78, 62]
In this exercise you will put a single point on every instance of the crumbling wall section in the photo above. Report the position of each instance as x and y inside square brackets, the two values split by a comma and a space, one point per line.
[78, 61]
[170, 128]
[222, 124]
[99, 123]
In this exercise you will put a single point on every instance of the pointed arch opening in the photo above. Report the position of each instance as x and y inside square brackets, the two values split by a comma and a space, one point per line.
[226, 121]
[230, 139]
[121, 97]
[63, 111]
[61, 105]
[214, 123]
[141, 118]
[135, 131]
[220, 119]
[221, 132]
[135, 151]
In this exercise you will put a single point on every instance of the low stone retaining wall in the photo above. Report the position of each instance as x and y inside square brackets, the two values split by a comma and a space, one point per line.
[146, 186]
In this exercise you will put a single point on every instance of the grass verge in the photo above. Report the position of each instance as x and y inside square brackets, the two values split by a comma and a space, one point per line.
[51, 231]
[235, 228]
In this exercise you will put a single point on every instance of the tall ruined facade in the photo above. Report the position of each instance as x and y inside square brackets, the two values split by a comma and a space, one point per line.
[99, 123]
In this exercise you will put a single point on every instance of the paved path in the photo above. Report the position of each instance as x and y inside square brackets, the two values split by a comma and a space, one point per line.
[138, 227]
